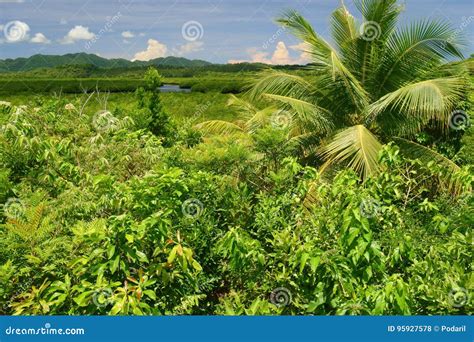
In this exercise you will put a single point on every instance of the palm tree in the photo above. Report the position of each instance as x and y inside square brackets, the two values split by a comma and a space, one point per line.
[374, 83]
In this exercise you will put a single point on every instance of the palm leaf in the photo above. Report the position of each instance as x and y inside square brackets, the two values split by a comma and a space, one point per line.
[416, 49]
[279, 83]
[307, 114]
[417, 103]
[244, 108]
[425, 154]
[344, 28]
[357, 147]
[260, 119]
[326, 62]
[219, 127]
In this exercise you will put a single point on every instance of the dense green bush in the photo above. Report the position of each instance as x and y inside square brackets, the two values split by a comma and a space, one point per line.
[105, 220]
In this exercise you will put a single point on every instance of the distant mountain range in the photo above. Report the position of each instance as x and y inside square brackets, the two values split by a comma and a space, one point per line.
[51, 61]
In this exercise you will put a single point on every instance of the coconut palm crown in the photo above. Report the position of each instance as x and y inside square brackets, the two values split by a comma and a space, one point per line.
[374, 83]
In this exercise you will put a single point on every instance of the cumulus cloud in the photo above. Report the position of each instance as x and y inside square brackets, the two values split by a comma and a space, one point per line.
[281, 55]
[155, 49]
[188, 48]
[79, 32]
[40, 38]
[128, 34]
[305, 57]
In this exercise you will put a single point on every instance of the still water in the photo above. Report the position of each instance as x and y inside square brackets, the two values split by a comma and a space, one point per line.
[173, 88]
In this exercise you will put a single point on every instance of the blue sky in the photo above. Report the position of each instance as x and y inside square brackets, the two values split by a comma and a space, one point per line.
[214, 30]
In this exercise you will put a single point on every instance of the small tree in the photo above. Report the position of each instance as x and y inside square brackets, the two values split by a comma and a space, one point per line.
[160, 123]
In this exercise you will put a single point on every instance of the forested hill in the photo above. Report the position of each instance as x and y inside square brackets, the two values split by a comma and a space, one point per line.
[51, 61]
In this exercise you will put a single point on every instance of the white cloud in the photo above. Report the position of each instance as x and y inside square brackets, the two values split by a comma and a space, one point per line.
[79, 32]
[281, 55]
[305, 57]
[63, 21]
[125, 41]
[128, 34]
[16, 31]
[40, 38]
[141, 34]
[154, 49]
[188, 48]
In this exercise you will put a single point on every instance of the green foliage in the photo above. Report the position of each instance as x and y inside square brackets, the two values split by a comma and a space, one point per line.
[108, 208]
[149, 102]
[105, 227]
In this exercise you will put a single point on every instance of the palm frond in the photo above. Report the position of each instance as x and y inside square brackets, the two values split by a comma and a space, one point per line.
[307, 114]
[423, 153]
[279, 83]
[244, 108]
[219, 127]
[417, 49]
[260, 119]
[417, 103]
[357, 147]
[326, 62]
[344, 28]
[414, 150]
[383, 12]
[302, 29]
[380, 18]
